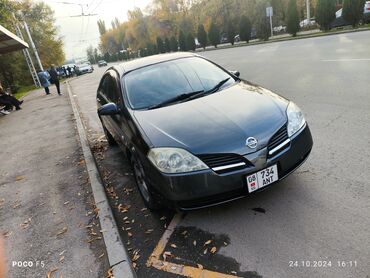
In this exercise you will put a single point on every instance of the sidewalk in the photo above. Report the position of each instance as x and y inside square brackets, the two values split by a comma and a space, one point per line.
[47, 215]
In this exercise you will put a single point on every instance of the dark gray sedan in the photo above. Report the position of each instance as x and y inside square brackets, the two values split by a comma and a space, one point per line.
[196, 134]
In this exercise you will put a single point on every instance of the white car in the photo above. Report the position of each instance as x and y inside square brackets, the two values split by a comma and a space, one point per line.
[84, 68]
[306, 22]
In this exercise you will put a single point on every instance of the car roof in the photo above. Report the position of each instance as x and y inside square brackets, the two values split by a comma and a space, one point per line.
[151, 60]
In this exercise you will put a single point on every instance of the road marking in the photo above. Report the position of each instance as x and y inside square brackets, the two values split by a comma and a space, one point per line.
[346, 60]
[179, 269]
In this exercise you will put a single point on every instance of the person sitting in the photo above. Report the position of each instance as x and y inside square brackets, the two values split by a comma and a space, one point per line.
[9, 101]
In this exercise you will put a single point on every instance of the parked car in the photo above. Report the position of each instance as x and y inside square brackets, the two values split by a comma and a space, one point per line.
[339, 21]
[306, 23]
[84, 68]
[196, 134]
[102, 63]
[367, 12]
[237, 38]
[279, 29]
[224, 38]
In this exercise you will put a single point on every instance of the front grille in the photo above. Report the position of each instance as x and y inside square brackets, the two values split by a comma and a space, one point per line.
[222, 163]
[277, 139]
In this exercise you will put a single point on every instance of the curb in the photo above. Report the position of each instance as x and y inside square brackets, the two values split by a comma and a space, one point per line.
[314, 35]
[118, 258]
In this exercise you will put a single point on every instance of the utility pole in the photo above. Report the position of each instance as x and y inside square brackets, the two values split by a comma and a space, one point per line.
[33, 45]
[308, 11]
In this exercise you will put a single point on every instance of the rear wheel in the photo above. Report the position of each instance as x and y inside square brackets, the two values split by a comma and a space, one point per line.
[140, 177]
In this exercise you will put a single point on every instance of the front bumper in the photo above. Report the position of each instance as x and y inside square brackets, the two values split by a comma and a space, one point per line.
[206, 188]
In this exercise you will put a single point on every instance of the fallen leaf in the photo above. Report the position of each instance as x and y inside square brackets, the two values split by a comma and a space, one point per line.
[62, 231]
[129, 234]
[163, 218]
[81, 162]
[61, 259]
[184, 233]
[149, 231]
[144, 209]
[66, 203]
[61, 253]
[19, 178]
[7, 233]
[166, 254]
[200, 266]
[233, 272]
[225, 243]
[101, 256]
[195, 243]
[51, 271]
[110, 273]
[26, 223]
[207, 242]
[173, 245]
[213, 250]
[205, 251]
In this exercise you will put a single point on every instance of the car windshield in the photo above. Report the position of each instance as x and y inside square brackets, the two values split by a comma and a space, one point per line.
[152, 85]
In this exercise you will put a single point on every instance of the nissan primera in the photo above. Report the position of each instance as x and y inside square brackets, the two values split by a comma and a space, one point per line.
[196, 134]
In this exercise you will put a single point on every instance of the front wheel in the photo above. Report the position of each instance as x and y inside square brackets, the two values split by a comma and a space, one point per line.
[141, 181]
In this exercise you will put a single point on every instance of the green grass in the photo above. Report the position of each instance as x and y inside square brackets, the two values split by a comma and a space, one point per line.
[24, 91]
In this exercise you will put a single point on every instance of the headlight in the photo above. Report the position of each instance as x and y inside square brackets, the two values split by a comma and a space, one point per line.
[173, 160]
[295, 119]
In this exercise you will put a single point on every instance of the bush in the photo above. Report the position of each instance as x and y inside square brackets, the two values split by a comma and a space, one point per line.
[167, 45]
[190, 42]
[202, 36]
[214, 34]
[160, 45]
[262, 21]
[174, 44]
[325, 13]
[292, 18]
[230, 32]
[245, 29]
[353, 11]
[182, 42]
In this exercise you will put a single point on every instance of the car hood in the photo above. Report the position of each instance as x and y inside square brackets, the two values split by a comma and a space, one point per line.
[217, 123]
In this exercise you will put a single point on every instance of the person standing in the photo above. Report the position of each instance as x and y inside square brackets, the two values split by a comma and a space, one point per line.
[54, 78]
[44, 80]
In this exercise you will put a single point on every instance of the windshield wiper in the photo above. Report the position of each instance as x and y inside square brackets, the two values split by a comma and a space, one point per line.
[178, 98]
[217, 87]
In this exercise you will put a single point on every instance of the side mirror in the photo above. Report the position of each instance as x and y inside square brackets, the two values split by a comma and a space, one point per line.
[108, 109]
[235, 72]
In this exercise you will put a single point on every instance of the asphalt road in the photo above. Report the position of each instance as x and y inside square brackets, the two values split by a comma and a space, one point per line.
[319, 213]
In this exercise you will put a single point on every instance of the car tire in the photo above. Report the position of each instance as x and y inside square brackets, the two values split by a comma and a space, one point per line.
[110, 139]
[141, 181]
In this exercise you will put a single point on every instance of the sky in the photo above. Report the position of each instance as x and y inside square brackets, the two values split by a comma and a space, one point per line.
[80, 32]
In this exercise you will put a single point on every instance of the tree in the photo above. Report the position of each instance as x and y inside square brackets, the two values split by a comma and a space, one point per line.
[190, 42]
[101, 27]
[202, 36]
[292, 18]
[230, 32]
[182, 41]
[160, 45]
[90, 54]
[353, 11]
[325, 13]
[167, 45]
[173, 44]
[245, 28]
[262, 21]
[214, 34]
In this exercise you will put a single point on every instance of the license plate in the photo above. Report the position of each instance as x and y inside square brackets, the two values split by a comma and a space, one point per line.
[262, 178]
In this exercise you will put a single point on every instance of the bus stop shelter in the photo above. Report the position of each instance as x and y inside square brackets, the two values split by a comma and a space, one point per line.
[10, 42]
